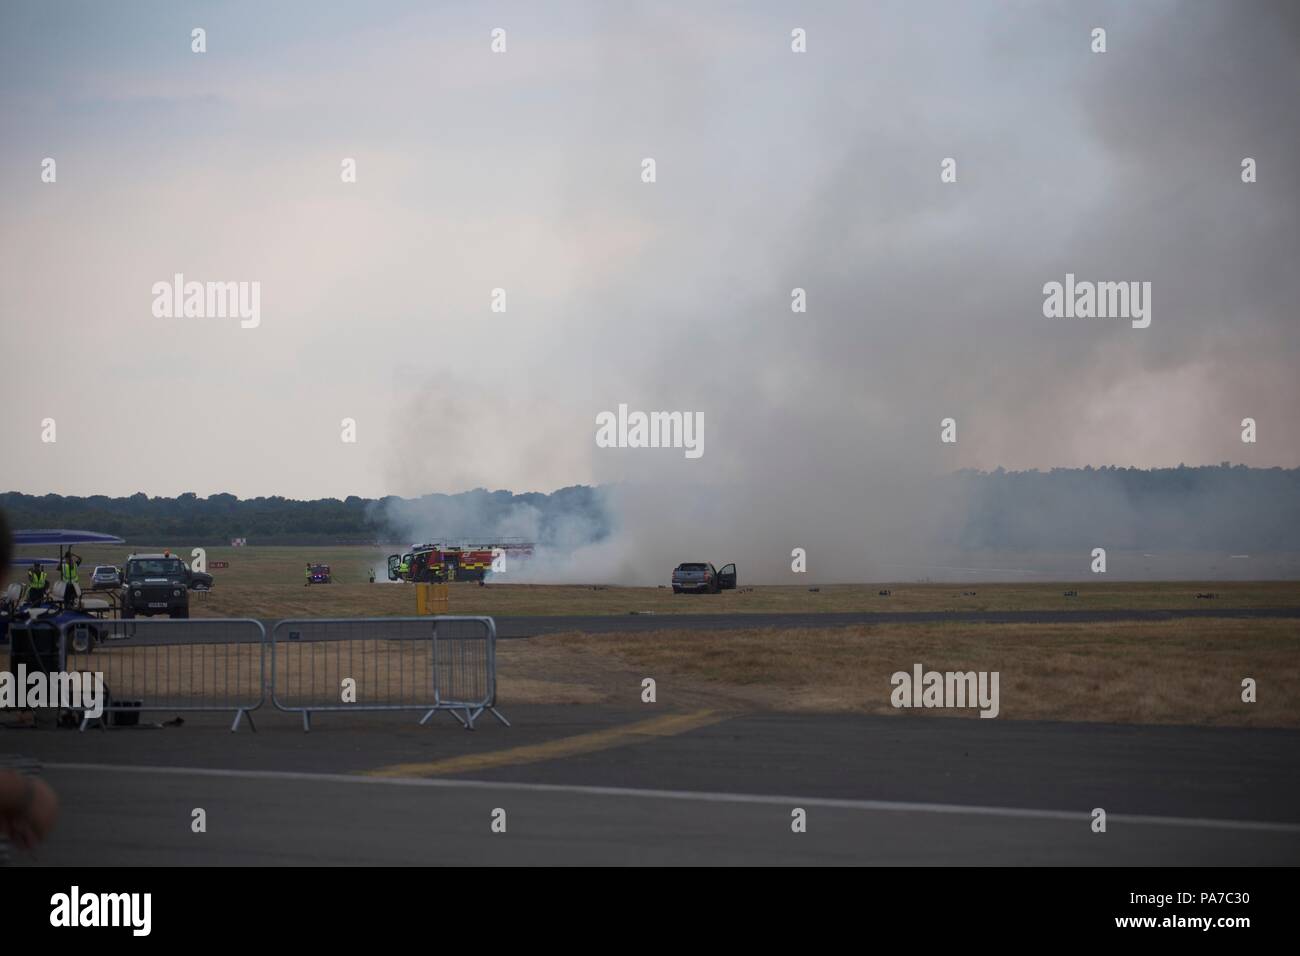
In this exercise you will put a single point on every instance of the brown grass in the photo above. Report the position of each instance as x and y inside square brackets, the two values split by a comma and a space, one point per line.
[1176, 672]
[1169, 672]
[268, 583]
[278, 599]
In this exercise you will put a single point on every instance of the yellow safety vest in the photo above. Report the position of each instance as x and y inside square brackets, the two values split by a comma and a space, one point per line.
[37, 580]
[68, 571]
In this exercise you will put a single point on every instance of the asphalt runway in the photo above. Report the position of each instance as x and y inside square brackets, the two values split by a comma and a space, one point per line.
[585, 785]
[534, 625]
[630, 623]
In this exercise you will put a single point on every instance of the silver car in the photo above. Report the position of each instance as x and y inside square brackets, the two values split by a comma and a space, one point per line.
[106, 578]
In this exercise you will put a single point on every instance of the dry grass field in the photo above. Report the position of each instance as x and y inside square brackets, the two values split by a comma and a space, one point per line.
[1174, 672]
[267, 583]
[1187, 671]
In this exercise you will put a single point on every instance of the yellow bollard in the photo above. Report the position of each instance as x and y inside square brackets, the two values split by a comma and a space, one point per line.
[431, 599]
[438, 599]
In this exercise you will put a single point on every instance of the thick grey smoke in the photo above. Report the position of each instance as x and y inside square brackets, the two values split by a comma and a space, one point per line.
[775, 170]
[1201, 523]
[821, 171]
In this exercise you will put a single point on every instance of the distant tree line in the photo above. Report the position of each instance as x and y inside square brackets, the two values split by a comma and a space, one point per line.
[219, 518]
[1225, 507]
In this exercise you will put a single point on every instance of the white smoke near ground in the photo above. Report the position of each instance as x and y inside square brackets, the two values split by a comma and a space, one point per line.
[636, 533]
[568, 529]
[1205, 523]
[379, 567]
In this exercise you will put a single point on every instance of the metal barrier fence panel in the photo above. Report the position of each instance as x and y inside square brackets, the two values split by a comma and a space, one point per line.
[462, 671]
[153, 664]
[385, 664]
[159, 664]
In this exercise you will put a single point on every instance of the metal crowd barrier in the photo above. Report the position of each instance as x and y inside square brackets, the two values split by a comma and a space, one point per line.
[379, 664]
[173, 665]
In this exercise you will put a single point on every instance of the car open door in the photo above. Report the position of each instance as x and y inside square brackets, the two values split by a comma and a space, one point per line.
[393, 561]
[727, 578]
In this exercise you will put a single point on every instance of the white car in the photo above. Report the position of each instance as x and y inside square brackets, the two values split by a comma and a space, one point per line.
[105, 578]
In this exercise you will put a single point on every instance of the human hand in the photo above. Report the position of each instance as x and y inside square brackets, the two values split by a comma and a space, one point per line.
[28, 809]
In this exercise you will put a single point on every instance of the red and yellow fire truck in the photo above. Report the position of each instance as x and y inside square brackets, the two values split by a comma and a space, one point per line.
[464, 561]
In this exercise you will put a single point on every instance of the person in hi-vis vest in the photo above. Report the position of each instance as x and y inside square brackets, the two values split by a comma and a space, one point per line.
[71, 578]
[37, 584]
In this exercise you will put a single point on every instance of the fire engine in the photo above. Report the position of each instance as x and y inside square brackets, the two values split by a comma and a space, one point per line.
[461, 561]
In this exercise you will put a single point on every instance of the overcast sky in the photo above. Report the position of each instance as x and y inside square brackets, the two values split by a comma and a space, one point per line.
[522, 170]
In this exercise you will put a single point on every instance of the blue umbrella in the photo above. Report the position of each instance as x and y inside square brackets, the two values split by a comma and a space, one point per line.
[64, 537]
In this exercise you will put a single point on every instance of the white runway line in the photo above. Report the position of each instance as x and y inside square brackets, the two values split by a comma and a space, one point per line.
[886, 806]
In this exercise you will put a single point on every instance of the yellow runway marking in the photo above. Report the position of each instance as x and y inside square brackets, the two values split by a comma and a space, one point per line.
[666, 726]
